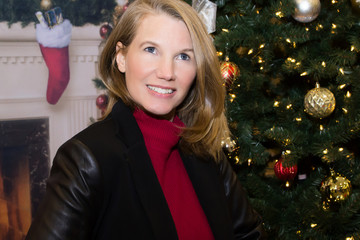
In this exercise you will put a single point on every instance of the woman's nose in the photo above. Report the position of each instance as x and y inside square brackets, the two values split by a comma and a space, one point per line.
[165, 69]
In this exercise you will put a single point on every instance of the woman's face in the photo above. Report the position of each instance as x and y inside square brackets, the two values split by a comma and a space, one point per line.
[159, 64]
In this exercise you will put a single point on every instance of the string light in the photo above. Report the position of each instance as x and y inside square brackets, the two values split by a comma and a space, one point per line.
[323, 64]
[325, 151]
[279, 14]
[341, 70]
[276, 104]
[319, 27]
[321, 127]
[225, 30]
[233, 96]
[341, 149]
[304, 74]
[348, 94]
[250, 51]
[262, 45]
[342, 86]
[333, 28]
[289, 106]
[291, 59]
[249, 161]
[313, 225]
[298, 119]
[345, 110]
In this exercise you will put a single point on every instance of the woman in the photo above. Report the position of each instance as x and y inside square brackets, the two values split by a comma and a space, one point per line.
[153, 168]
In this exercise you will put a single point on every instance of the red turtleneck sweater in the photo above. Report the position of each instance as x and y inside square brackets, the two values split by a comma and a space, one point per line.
[161, 138]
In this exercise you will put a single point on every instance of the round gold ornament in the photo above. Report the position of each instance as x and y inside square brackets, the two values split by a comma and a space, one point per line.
[319, 102]
[306, 10]
[45, 4]
[334, 189]
[356, 5]
[228, 144]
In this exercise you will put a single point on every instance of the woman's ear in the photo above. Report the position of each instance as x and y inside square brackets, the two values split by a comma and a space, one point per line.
[120, 57]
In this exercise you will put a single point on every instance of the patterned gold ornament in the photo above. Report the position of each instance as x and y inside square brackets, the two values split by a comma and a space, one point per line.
[334, 189]
[319, 102]
[306, 10]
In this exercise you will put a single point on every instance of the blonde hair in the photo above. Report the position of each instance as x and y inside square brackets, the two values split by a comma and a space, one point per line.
[202, 111]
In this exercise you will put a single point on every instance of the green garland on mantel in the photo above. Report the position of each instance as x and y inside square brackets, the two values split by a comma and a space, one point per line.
[79, 12]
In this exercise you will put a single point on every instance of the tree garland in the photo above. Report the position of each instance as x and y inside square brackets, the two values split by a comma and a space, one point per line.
[78, 12]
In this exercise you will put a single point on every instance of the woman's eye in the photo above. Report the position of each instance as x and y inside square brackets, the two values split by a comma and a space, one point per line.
[184, 56]
[150, 49]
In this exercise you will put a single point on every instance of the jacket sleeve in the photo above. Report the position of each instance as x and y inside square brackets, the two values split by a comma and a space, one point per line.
[68, 207]
[247, 223]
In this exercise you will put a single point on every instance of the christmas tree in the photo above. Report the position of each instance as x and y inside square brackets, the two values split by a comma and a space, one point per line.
[291, 68]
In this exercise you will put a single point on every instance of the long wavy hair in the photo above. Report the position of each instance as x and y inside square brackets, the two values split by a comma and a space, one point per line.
[202, 111]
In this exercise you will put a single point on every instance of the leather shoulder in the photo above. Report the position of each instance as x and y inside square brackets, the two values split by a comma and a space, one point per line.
[72, 196]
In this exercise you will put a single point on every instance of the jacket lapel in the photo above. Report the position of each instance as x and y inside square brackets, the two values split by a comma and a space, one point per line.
[143, 173]
[210, 192]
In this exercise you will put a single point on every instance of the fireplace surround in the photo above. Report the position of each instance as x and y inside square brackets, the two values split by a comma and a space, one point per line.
[23, 83]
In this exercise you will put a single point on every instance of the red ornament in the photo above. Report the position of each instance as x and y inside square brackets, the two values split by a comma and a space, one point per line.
[229, 72]
[285, 173]
[125, 7]
[102, 101]
[105, 31]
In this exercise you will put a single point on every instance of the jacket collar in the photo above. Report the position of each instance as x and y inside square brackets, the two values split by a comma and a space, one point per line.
[143, 173]
[202, 174]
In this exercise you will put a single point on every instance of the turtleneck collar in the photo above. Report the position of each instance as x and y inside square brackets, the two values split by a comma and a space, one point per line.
[160, 135]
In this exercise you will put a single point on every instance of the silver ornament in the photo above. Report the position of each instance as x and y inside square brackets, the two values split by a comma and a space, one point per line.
[306, 10]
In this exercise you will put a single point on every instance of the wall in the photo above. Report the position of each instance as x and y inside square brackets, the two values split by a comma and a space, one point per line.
[23, 81]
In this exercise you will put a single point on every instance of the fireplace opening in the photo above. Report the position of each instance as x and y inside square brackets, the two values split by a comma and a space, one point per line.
[24, 168]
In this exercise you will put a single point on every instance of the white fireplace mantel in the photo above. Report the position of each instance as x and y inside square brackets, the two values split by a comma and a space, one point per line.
[24, 75]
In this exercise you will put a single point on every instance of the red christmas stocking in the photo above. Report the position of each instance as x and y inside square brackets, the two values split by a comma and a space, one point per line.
[57, 61]
[54, 46]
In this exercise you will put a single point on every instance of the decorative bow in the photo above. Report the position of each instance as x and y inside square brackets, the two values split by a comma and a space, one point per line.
[207, 12]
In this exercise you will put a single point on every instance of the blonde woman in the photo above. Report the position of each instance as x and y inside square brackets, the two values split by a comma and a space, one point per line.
[153, 168]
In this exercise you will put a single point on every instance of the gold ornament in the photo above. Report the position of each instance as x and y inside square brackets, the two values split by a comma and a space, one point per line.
[45, 4]
[306, 10]
[334, 189]
[356, 5]
[319, 102]
[229, 144]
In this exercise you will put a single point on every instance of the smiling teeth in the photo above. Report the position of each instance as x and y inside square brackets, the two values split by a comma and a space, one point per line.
[161, 90]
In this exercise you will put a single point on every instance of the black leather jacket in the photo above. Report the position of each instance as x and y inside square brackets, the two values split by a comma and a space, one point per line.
[102, 186]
